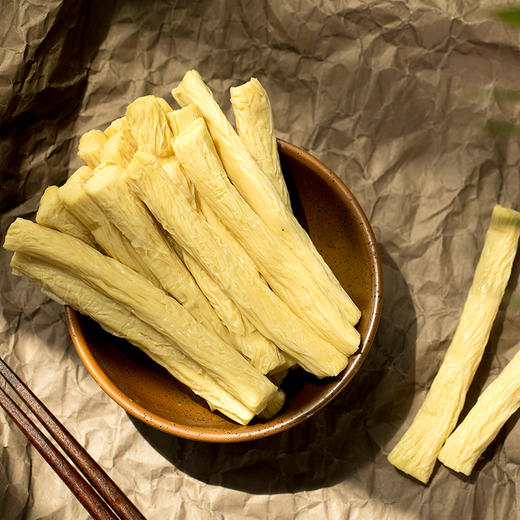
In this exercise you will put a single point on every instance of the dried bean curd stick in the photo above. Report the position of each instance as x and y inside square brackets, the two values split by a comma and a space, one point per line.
[182, 118]
[148, 303]
[274, 405]
[115, 126]
[259, 192]
[119, 148]
[223, 305]
[266, 311]
[67, 289]
[106, 235]
[90, 146]
[149, 126]
[275, 260]
[254, 122]
[53, 213]
[419, 447]
[497, 403]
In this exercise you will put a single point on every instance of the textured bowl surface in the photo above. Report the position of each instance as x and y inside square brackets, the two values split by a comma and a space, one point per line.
[342, 234]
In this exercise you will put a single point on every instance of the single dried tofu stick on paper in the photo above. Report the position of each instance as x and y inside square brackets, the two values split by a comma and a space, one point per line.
[419, 447]
[67, 289]
[90, 146]
[496, 404]
[106, 235]
[254, 122]
[53, 213]
[150, 304]
[111, 193]
[279, 266]
[149, 126]
[259, 192]
[267, 312]
[119, 148]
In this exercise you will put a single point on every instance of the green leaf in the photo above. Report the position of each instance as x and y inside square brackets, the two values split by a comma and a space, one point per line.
[503, 128]
[510, 15]
[505, 94]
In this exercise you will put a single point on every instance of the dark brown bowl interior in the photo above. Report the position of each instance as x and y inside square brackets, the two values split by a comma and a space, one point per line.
[342, 234]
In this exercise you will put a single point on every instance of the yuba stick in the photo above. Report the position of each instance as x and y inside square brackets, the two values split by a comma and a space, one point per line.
[497, 403]
[53, 213]
[419, 447]
[106, 235]
[254, 121]
[90, 147]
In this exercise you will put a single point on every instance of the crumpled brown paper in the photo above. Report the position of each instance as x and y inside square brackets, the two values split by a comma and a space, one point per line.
[394, 97]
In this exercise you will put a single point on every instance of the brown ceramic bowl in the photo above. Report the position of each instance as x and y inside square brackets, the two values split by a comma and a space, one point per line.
[342, 234]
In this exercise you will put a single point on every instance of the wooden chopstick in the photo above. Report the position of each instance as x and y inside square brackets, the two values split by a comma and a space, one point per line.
[78, 485]
[99, 480]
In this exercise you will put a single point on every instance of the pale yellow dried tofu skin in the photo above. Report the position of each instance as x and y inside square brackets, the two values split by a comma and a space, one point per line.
[283, 271]
[220, 301]
[54, 214]
[180, 121]
[494, 407]
[254, 122]
[90, 147]
[149, 126]
[261, 352]
[106, 235]
[266, 311]
[419, 447]
[115, 126]
[182, 118]
[259, 192]
[119, 148]
[150, 304]
[165, 106]
[172, 167]
[273, 406]
[111, 193]
[65, 288]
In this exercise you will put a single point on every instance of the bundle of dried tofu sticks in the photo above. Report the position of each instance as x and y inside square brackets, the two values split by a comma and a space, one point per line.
[178, 235]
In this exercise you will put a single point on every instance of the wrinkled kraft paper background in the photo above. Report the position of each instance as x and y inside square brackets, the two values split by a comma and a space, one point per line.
[395, 99]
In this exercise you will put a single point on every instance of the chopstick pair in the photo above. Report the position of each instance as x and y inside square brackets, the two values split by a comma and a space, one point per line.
[101, 485]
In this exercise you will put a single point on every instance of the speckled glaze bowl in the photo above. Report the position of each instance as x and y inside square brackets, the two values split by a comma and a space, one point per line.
[341, 232]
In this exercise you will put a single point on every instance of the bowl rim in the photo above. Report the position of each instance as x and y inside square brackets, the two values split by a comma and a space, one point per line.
[260, 430]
